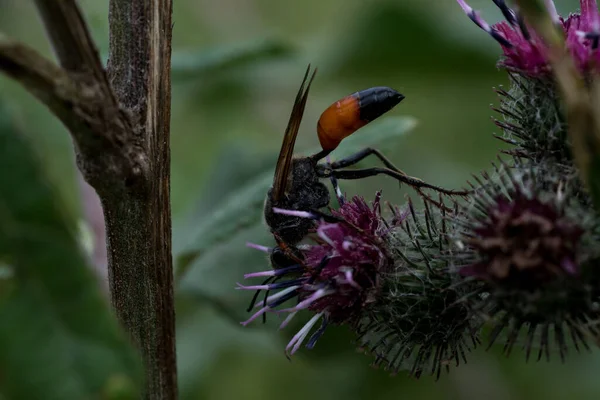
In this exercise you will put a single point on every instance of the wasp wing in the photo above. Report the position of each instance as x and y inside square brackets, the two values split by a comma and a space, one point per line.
[284, 162]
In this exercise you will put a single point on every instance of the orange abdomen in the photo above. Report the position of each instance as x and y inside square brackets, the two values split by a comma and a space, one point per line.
[346, 116]
[338, 121]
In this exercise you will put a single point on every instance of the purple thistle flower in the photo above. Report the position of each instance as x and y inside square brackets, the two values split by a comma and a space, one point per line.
[339, 276]
[522, 240]
[524, 50]
[528, 246]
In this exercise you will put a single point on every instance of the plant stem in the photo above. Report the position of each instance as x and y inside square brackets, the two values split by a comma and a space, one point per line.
[139, 223]
[120, 124]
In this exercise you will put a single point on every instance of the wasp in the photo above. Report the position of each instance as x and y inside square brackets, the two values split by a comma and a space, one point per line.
[297, 182]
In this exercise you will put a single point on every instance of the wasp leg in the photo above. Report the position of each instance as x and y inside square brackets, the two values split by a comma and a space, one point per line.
[338, 192]
[326, 217]
[336, 187]
[409, 180]
[264, 316]
[257, 293]
[359, 156]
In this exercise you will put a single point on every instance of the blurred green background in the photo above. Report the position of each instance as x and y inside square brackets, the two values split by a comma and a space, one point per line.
[237, 65]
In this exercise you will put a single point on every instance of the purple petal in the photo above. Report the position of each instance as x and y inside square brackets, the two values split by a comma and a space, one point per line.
[299, 337]
[278, 295]
[258, 247]
[256, 315]
[259, 274]
[308, 301]
[294, 213]
[569, 266]
[350, 280]
[287, 319]
[589, 15]
[480, 22]
[255, 287]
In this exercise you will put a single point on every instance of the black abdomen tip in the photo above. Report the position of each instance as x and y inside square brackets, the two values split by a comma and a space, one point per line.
[376, 101]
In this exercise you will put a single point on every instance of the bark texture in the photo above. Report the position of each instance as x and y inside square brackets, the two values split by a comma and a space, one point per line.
[119, 120]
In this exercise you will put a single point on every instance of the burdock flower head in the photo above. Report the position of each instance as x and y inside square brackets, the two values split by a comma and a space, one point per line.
[524, 50]
[384, 278]
[419, 323]
[532, 112]
[527, 242]
[337, 277]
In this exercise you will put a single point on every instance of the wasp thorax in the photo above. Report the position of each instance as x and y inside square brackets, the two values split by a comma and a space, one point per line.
[305, 193]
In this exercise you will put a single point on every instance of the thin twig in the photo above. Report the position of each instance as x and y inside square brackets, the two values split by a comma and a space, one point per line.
[99, 128]
[40, 76]
[72, 40]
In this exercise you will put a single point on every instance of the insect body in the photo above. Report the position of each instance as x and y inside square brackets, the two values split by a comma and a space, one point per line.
[297, 182]
[297, 185]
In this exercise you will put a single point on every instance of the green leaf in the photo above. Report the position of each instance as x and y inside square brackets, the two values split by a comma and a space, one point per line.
[243, 208]
[198, 64]
[58, 338]
[240, 210]
[252, 358]
[237, 163]
[382, 42]
[203, 328]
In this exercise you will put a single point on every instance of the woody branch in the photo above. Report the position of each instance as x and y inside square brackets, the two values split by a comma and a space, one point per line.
[119, 120]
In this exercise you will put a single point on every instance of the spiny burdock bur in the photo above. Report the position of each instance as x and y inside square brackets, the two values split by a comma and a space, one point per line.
[533, 121]
[530, 233]
[419, 323]
[530, 245]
